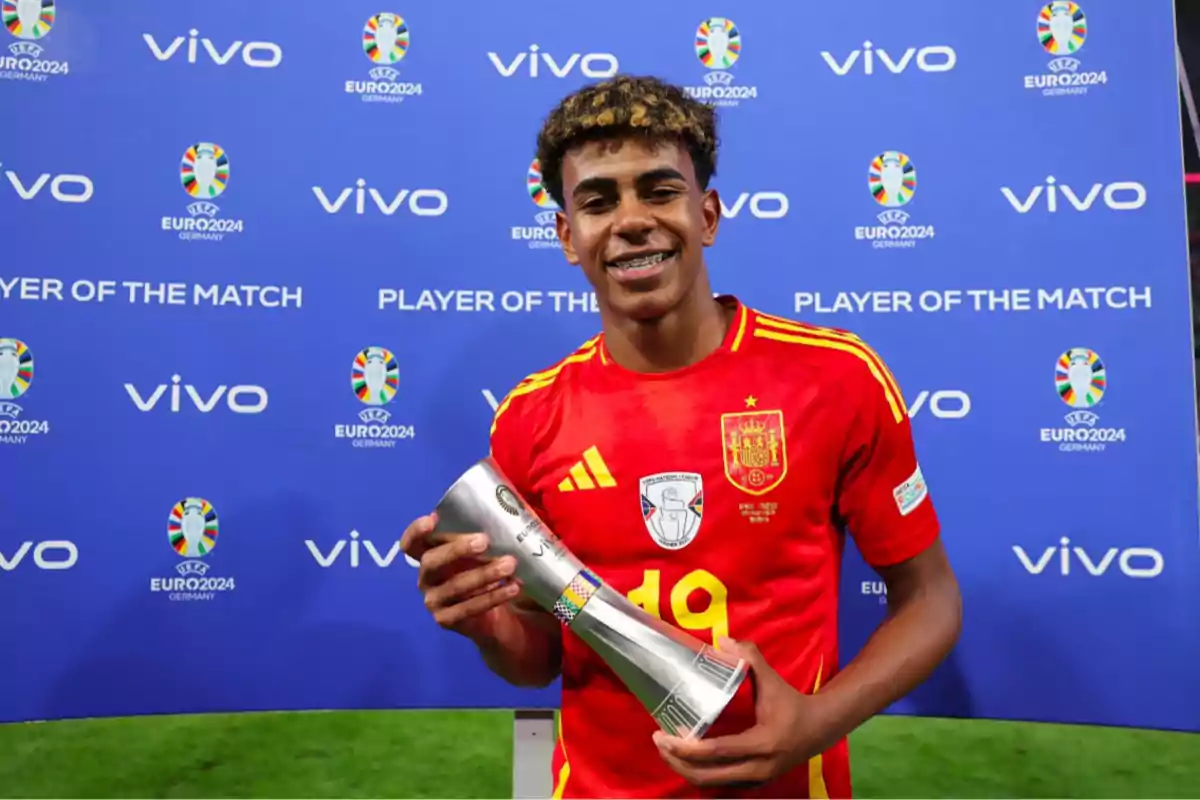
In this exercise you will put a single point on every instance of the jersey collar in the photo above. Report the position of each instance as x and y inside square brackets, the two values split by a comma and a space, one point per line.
[732, 343]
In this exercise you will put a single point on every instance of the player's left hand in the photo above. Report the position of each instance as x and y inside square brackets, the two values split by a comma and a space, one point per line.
[787, 732]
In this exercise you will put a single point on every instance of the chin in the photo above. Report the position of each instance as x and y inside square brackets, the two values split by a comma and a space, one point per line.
[647, 306]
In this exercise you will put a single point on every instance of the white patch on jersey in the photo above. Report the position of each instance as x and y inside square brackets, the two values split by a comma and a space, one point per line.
[911, 493]
[672, 507]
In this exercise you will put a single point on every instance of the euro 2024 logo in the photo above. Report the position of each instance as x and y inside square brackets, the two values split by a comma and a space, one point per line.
[544, 234]
[1062, 31]
[30, 21]
[1081, 382]
[204, 175]
[718, 46]
[375, 381]
[192, 530]
[385, 42]
[16, 376]
[892, 181]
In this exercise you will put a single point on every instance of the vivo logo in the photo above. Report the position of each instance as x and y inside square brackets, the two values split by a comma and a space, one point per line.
[50, 555]
[238, 399]
[763, 205]
[1119, 196]
[943, 404]
[591, 65]
[63, 188]
[327, 560]
[1134, 562]
[937, 58]
[421, 202]
[262, 55]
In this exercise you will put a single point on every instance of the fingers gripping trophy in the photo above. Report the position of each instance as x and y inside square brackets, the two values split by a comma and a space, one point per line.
[683, 683]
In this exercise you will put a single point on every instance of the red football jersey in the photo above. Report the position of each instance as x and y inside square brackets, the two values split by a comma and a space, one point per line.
[716, 497]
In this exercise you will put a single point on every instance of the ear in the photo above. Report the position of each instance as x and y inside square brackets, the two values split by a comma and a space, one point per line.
[563, 227]
[710, 209]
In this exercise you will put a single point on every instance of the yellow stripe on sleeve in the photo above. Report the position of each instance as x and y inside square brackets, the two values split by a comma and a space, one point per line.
[540, 380]
[859, 351]
[583, 352]
[804, 328]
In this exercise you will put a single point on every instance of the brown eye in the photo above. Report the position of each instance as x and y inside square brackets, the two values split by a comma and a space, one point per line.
[594, 204]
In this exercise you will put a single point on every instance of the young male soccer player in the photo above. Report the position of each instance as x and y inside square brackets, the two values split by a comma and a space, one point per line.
[706, 460]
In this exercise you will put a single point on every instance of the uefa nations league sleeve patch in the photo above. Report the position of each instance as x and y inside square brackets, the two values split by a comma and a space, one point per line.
[911, 493]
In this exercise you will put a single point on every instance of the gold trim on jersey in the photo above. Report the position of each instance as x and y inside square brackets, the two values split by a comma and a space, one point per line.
[540, 380]
[816, 764]
[583, 350]
[742, 316]
[564, 771]
[782, 330]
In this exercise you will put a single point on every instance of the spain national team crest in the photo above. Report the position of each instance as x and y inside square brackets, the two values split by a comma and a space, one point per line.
[672, 506]
[754, 449]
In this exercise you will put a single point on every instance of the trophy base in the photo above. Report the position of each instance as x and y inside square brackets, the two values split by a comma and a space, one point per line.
[700, 730]
[681, 715]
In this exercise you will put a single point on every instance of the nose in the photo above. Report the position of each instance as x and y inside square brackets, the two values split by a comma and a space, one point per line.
[633, 219]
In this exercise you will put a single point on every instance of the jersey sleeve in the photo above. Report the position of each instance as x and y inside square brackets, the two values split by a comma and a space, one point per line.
[882, 497]
[511, 443]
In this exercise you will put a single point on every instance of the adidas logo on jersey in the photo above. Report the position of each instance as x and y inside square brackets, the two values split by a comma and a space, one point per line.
[589, 473]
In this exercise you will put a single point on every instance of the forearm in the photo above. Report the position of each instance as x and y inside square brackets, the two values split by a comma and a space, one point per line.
[917, 634]
[525, 648]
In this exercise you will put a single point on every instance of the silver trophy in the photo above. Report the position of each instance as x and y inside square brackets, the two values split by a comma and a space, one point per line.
[684, 683]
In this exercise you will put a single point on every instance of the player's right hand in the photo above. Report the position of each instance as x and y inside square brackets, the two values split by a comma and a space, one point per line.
[464, 591]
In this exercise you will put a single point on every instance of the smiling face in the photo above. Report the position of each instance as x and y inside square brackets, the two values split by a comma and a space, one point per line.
[636, 220]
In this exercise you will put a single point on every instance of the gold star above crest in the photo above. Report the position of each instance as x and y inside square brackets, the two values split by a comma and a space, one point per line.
[751, 401]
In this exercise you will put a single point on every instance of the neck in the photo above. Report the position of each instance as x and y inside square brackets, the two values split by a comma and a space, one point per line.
[683, 336]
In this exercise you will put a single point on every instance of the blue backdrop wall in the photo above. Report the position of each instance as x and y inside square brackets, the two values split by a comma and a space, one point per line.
[233, 228]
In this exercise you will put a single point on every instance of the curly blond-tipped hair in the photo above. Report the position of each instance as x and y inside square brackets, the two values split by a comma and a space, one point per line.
[623, 106]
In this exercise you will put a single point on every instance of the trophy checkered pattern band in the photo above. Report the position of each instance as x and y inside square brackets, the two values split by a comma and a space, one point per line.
[575, 596]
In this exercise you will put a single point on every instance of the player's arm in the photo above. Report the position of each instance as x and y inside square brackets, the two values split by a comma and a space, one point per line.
[885, 504]
[525, 645]
[525, 648]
